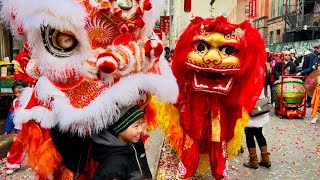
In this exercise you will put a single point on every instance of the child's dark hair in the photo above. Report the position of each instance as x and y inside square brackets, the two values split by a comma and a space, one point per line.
[167, 50]
[19, 83]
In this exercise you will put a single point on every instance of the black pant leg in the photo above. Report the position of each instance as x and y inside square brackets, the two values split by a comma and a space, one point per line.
[250, 137]
[260, 138]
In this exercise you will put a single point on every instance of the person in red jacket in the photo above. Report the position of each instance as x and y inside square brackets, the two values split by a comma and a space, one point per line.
[269, 80]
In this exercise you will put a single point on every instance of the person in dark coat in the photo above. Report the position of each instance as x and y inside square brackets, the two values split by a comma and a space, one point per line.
[289, 66]
[310, 64]
[119, 149]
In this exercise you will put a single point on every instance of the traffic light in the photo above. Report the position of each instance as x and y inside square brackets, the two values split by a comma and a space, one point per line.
[305, 27]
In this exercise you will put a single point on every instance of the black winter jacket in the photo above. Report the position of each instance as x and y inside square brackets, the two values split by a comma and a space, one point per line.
[277, 70]
[310, 64]
[118, 160]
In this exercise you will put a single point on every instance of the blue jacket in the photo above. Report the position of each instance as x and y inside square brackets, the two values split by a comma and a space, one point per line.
[9, 121]
[310, 64]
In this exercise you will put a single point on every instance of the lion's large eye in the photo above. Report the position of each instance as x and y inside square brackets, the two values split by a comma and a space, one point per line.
[202, 46]
[228, 50]
[58, 43]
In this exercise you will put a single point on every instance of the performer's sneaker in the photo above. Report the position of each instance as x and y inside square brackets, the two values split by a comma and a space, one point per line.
[10, 171]
[314, 120]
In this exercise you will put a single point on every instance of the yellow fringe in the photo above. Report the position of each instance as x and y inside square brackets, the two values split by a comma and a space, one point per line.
[236, 142]
[168, 120]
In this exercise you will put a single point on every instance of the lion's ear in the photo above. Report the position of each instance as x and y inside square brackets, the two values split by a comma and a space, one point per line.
[11, 17]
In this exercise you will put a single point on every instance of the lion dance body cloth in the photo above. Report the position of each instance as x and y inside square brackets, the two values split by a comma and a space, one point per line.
[219, 69]
[90, 59]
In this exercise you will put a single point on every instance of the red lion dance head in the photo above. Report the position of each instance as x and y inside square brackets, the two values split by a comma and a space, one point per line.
[219, 67]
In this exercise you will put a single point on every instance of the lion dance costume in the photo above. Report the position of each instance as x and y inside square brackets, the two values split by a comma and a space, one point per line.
[219, 69]
[90, 59]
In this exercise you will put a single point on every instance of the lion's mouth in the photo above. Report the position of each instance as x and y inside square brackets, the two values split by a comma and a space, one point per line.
[213, 82]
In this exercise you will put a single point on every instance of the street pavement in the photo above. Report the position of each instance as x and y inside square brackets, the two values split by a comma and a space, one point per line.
[294, 146]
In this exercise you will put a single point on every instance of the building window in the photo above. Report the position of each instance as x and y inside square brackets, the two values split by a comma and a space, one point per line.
[272, 8]
[288, 5]
[280, 4]
[271, 37]
[278, 38]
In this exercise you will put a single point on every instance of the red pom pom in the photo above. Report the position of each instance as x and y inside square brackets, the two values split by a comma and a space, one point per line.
[139, 11]
[105, 7]
[130, 26]
[153, 49]
[117, 12]
[123, 28]
[158, 50]
[140, 22]
[147, 5]
[106, 62]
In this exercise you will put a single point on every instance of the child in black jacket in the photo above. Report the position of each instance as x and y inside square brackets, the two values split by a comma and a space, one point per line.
[119, 149]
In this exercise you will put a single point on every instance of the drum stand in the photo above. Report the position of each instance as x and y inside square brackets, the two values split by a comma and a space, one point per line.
[283, 109]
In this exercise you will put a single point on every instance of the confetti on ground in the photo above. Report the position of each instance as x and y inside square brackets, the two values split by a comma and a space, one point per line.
[24, 173]
[293, 144]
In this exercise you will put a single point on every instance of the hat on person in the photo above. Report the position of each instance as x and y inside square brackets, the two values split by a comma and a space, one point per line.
[128, 116]
[317, 45]
[306, 52]
[292, 51]
[285, 52]
[267, 50]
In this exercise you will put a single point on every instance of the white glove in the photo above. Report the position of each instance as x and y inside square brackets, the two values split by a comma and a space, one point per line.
[280, 77]
[298, 74]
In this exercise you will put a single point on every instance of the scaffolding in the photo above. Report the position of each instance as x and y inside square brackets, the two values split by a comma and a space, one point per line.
[301, 23]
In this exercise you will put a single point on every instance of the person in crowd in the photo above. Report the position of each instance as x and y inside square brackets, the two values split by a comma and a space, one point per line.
[310, 63]
[254, 130]
[289, 66]
[167, 54]
[16, 153]
[120, 150]
[269, 78]
[293, 57]
[305, 53]
[299, 60]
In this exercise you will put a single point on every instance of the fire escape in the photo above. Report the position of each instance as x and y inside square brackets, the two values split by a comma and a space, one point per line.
[303, 23]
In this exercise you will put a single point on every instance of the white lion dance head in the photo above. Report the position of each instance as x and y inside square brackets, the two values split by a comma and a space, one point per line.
[90, 58]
